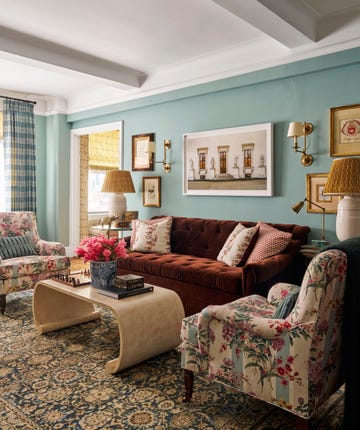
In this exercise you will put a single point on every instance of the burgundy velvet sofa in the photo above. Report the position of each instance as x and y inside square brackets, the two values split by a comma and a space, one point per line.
[191, 268]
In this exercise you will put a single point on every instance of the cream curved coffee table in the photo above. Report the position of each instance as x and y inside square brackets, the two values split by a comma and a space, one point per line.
[149, 323]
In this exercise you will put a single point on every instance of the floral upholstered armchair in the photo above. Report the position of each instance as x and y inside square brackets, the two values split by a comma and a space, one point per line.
[24, 257]
[293, 362]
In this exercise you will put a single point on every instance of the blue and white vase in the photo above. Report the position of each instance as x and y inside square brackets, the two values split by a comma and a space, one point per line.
[102, 273]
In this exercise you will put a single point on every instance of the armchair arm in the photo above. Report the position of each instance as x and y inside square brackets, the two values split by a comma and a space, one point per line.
[44, 247]
[280, 290]
[239, 321]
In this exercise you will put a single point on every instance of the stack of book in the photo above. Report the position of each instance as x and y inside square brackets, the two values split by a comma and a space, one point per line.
[127, 286]
[309, 250]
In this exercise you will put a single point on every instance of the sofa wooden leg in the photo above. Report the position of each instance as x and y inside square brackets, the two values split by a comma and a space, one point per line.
[2, 303]
[189, 384]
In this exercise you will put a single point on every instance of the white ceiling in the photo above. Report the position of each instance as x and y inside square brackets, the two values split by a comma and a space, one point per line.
[85, 53]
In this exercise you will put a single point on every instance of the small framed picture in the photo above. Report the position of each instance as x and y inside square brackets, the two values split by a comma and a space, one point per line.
[152, 191]
[345, 131]
[142, 160]
[130, 215]
[315, 184]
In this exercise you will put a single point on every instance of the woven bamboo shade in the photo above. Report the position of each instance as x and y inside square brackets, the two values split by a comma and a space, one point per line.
[118, 181]
[104, 150]
[344, 177]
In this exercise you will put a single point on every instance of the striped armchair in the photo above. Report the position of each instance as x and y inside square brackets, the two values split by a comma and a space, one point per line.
[24, 257]
[293, 362]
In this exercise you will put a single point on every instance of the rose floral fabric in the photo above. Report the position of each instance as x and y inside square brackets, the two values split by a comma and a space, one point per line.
[152, 235]
[238, 245]
[293, 363]
[23, 272]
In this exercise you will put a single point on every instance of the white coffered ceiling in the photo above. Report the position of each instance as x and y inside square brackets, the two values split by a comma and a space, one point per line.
[87, 53]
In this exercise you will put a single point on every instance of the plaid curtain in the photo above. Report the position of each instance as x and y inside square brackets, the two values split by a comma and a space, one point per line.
[19, 155]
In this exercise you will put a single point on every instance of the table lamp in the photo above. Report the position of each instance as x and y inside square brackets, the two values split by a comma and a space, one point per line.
[344, 180]
[297, 208]
[117, 182]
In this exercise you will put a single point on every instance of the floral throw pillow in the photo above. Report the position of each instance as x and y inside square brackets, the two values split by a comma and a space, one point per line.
[151, 235]
[238, 245]
[270, 241]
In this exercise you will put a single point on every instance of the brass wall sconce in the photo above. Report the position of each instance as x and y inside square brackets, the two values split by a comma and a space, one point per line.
[298, 129]
[150, 147]
[297, 208]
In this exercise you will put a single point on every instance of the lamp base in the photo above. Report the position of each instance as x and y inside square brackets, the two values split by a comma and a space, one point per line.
[117, 205]
[348, 218]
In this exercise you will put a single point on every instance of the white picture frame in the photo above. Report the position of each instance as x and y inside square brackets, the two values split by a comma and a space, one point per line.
[233, 161]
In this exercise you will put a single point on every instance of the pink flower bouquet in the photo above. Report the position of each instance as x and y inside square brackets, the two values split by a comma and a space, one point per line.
[100, 248]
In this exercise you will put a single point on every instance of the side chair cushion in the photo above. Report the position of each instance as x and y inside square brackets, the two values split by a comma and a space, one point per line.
[238, 245]
[16, 246]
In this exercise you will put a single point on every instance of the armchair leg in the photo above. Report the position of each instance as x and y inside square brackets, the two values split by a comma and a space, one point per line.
[2, 303]
[189, 384]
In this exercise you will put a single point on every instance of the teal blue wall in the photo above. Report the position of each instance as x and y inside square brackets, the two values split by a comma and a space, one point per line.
[52, 136]
[302, 91]
[41, 148]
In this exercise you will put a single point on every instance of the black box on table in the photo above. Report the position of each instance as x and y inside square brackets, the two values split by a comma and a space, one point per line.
[129, 281]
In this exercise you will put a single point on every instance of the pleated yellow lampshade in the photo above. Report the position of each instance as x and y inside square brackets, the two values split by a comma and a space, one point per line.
[118, 181]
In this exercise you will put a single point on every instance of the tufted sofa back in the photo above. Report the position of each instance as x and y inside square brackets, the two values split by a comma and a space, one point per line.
[205, 237]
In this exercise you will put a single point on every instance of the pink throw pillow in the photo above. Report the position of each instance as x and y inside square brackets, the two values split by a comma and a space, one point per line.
[270, 241]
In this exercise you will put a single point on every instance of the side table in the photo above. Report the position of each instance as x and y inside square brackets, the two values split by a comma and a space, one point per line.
[107, 229]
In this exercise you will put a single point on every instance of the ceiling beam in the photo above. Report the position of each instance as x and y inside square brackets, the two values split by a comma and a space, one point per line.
[44, 52]
[291, 25]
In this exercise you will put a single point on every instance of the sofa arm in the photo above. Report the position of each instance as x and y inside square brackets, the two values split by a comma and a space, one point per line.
[258, 273]
[44, 247]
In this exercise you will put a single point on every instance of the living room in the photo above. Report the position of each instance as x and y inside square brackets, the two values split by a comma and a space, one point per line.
[302, 87]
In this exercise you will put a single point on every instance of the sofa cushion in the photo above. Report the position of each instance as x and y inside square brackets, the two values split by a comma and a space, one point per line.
[152, 235]
[16, 246]
[186, 268]
[270, 241]
[238, 245]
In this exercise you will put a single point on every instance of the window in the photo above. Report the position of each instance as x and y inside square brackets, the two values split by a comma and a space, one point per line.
[104, 154]
[98, 201]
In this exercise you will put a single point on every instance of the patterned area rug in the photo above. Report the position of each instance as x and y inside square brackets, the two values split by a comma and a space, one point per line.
[58, 381]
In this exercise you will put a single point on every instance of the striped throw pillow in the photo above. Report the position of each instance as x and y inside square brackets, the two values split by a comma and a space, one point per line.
[16, 246]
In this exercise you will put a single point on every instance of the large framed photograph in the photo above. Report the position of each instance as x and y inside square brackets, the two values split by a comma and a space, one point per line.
[345, 131]
[229, 162]
[142, 160]
[152, 191]
[315, 184]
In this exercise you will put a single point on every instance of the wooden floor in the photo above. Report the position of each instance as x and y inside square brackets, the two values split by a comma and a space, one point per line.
[77, 264]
